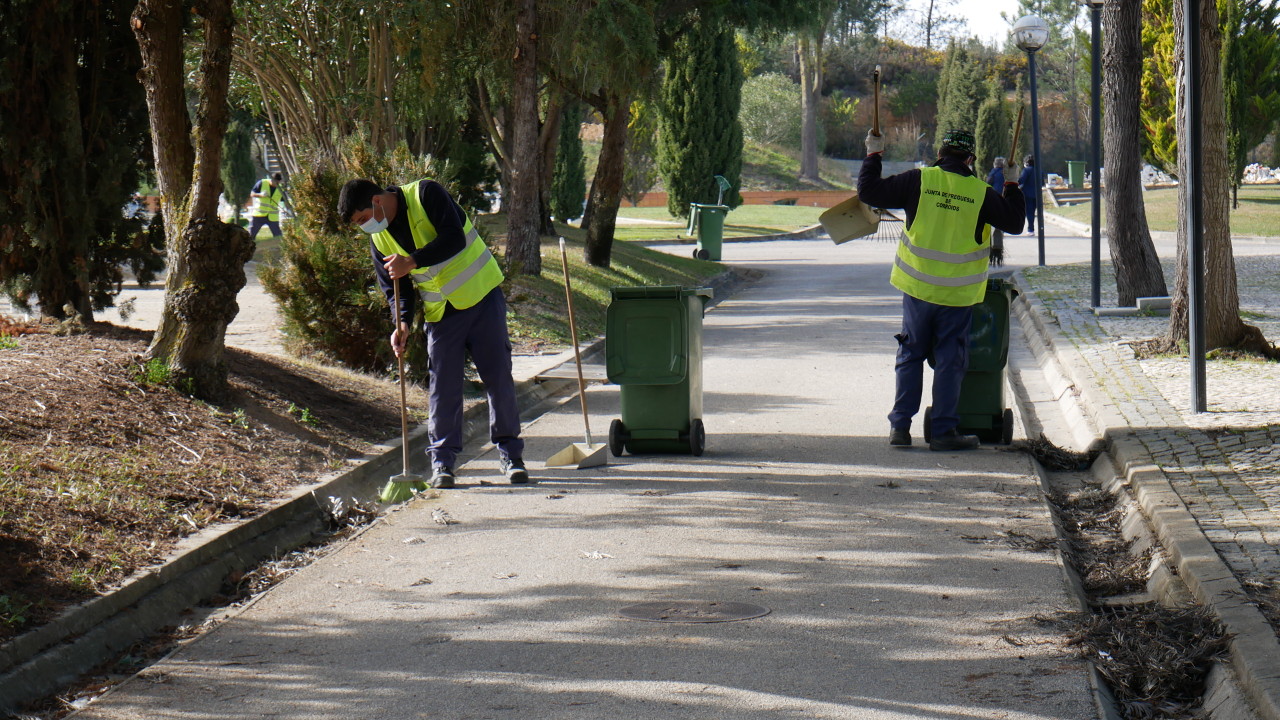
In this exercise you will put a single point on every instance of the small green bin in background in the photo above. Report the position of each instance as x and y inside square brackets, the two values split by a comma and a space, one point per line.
[982, 410]
[653, 352]
[1075, 174]
[709, 222]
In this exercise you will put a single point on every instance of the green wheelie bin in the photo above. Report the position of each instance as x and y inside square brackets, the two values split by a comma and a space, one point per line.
[982, 410]
[653, 352]
[708, 222]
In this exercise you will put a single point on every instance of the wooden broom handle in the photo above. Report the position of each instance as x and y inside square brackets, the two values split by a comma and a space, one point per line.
[573, 332]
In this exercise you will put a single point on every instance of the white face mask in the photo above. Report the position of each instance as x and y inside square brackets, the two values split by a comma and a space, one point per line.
[372, 225]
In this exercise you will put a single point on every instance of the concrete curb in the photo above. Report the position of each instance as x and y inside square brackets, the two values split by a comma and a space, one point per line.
[45, 660]
[1255, 650]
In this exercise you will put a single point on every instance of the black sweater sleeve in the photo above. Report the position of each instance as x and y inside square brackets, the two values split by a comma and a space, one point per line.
[903, 191]
[1004, 212]
[408, 295]
[894, 192]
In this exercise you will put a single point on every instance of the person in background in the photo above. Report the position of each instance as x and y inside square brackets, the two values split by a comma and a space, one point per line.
[267, 194]
[995, 179]
[421, 238]
[1029, 185]
[941, 269]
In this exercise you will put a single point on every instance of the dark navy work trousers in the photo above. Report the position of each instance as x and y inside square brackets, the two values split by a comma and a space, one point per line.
[944, 330]
[482, 331]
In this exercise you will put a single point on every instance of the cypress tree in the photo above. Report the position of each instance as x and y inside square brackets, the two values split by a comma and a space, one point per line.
[700, 133]
[70, 154]
[994, 129]
[959, 92]
[238, 171]
[569, 178]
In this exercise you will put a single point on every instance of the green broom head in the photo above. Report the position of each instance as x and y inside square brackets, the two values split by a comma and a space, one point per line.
[402, 487]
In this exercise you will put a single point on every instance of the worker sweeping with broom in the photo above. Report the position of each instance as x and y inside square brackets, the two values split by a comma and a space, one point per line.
[425, 249]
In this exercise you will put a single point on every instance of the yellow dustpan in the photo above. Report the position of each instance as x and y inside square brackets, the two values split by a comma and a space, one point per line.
[578, 454]
[850, 219]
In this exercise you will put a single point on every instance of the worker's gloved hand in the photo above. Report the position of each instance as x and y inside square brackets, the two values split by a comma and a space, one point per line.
[875, 143]
[997, 256]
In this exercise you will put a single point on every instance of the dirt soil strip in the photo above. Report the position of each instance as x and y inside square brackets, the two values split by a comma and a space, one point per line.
[56, 374]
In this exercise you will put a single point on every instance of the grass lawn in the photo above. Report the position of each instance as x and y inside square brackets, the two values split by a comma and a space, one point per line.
[1258, 214]
[536, 314]
[764, 167]
[743, 221]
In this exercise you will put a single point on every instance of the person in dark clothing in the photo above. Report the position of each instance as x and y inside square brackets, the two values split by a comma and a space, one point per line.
[423, 240]
[1029, 184]
[941, 269]
[995, 179]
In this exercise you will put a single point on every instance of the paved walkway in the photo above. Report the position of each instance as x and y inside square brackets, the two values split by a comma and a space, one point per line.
[1224, 463]
[891, 593]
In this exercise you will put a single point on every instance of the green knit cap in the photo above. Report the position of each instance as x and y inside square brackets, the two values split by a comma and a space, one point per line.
[959, 139]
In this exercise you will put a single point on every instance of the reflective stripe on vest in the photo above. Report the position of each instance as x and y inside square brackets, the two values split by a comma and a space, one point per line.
[937, 260]
[269, 206]
[463, 280]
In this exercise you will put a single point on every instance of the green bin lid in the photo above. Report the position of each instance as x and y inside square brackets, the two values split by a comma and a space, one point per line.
[657, 292]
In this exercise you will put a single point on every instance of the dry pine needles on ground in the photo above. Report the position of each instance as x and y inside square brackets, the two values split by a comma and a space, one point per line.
[105, 466]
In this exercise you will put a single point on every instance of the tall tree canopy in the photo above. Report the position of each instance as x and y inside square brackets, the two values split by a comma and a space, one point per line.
[959, 91]
[701, 136]
[1252, 79]
[70, 154]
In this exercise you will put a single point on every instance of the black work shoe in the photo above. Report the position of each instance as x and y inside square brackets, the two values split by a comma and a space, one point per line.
[513, 470]
[953, 440]
[442, 477]
[899, 437]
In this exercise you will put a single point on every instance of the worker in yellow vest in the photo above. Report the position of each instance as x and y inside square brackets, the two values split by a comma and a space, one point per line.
[423, 240]
[267, 195]
[941, 269]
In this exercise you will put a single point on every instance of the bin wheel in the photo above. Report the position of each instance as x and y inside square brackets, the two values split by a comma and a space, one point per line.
[1006, 427]
[701, 254]
[928, 423]
[618, 437]
[697, 438]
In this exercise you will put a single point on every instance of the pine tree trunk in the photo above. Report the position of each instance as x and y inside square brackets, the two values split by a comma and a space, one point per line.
[524, 251]
[206, 256]
[548, 144]
[606, 186]
[1133, 254]
[1222, 324]
[810, 52]
[158, 25]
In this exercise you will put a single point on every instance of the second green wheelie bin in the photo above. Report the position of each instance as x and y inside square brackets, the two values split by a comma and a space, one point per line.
[982, 410]
[653, 352]
[707, 222]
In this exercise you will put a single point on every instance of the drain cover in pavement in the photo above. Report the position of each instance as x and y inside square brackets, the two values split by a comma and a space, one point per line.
[693, 612]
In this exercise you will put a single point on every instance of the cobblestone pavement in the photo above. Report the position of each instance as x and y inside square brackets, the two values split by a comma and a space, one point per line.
[1224, 463]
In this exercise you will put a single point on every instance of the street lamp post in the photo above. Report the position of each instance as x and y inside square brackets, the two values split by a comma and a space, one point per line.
[1095, 121]
[1030, 34]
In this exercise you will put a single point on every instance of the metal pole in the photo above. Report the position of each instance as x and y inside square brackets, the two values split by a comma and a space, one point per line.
[1096, 121]
[1194, 207]
[1035, 139]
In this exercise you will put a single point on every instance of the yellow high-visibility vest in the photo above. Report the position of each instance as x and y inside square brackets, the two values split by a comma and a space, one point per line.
[463, 280]
[268, 206]
[937, 260]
